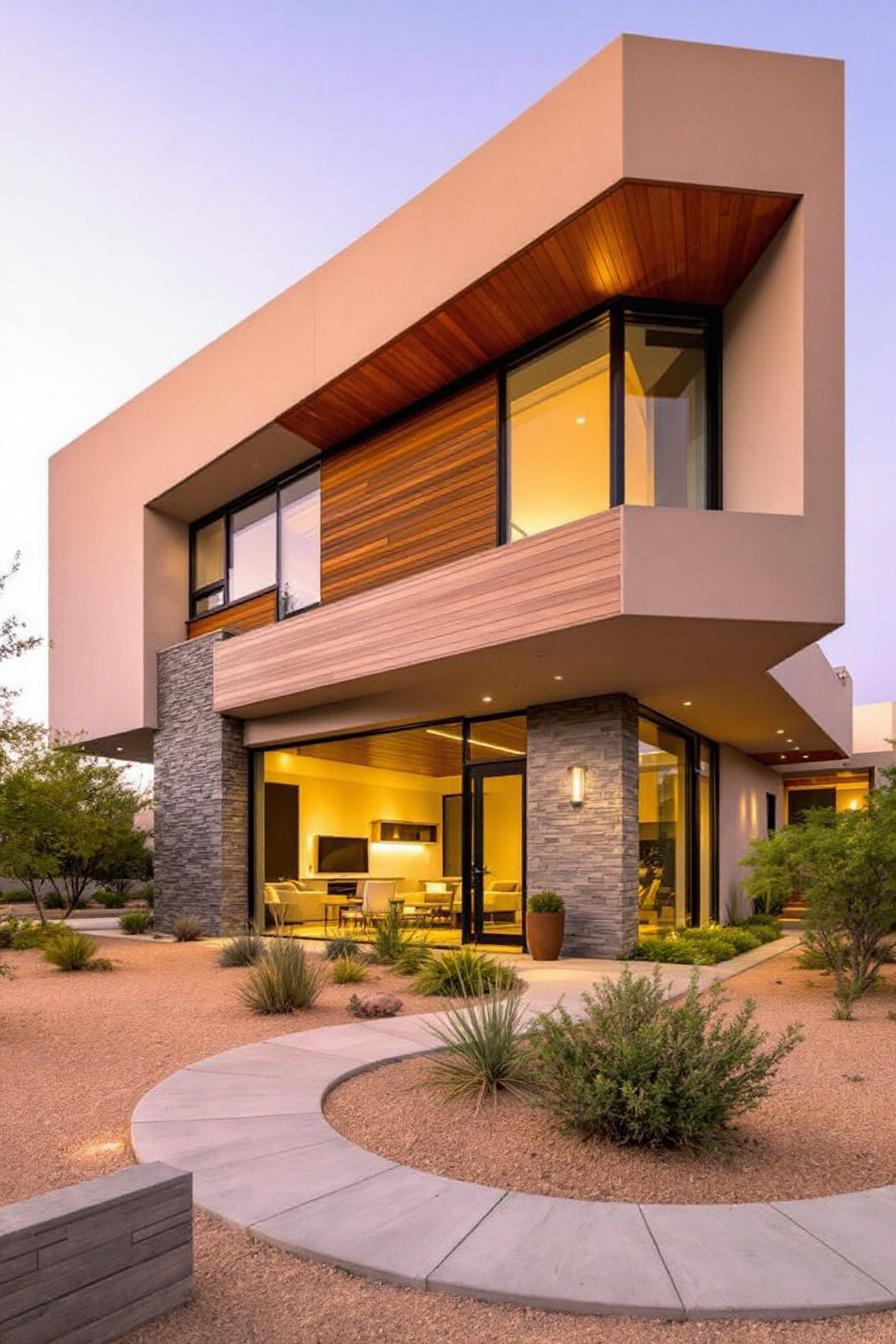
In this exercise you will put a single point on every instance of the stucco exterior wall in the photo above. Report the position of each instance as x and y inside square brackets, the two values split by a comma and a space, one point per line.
[743, 789]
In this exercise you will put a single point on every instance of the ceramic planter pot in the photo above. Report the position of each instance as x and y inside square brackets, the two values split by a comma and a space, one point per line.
[544, 935]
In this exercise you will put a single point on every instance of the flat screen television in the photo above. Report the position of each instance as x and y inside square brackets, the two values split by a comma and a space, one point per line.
[341, 854]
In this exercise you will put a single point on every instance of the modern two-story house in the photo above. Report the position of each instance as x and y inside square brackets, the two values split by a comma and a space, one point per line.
[491, 556]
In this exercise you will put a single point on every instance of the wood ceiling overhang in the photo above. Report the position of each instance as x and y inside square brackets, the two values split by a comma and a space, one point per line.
[645, 239]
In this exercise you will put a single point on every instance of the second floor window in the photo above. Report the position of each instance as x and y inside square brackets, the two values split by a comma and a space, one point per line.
[621, 412]
[267, 542]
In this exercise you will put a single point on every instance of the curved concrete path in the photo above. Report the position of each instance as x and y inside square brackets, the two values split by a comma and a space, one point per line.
[248, 1123]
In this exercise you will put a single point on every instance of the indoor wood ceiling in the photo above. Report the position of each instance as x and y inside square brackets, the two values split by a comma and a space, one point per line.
[435, 751]
[644, 239]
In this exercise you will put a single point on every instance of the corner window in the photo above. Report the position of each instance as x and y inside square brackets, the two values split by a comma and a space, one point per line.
[621, 412]
[266, 542]
[558, 434]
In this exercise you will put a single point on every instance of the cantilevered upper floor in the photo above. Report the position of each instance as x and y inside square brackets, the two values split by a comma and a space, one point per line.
[569, 421]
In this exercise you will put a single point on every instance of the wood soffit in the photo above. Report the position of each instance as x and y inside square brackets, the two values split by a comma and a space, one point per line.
[644, 239]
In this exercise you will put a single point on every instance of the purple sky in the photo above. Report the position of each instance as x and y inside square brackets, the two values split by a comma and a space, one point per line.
[168, 167]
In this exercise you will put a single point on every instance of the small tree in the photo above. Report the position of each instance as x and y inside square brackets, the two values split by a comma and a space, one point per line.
[15, 733]
[65, 817]
[127, 858]
[843, 864]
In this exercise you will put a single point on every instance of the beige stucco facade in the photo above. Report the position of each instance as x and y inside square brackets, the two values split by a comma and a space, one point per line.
[763, 576]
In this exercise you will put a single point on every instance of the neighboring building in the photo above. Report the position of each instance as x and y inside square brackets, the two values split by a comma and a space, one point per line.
[491, 555]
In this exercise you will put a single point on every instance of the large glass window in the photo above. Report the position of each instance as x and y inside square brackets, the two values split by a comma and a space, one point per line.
[300, 543]
[558, 434]
[665, 414]
[253, 548]
[662, 828]
[622, 412]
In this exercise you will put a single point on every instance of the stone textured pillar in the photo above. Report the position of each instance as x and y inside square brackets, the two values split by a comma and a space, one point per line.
[589, 854]
[201, 797]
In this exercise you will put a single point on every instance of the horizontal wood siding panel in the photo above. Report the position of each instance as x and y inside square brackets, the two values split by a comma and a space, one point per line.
[249, 615]
[419, 494]
[567, 577]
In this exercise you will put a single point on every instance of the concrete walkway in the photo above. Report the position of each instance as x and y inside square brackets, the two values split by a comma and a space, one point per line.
[249, 1125]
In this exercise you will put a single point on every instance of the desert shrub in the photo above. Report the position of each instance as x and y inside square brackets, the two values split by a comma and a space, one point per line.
[348, 971]
[843, 864]
[110, 900]
[74, 951]
[148, 894]
[742, 940]
[411, 959]
[342, 947]
[30, 933]
[187, 929]
[284, 980]
[374, 1005]
[545, 903]
[8, 928]
[244, 949]
[667, 948]
[21, 897]
[484, 1054]
[390, 937]
[136, 921]
[639, 1069]
[53, 901]
[765, 927]
[463, 972]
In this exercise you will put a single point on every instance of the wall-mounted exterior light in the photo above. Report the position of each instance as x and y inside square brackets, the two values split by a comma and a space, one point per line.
[577, 775]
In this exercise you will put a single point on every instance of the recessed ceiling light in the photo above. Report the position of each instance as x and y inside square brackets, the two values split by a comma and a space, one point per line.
[119, 748]
[687, 703]
[580, 419]
[790, 739]
[780, 732]
[805, 756]
[486, 699]
[558, 676]
[783, 755]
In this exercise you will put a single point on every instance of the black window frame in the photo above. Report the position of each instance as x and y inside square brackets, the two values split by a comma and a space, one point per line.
[704, 317]
[234, 506]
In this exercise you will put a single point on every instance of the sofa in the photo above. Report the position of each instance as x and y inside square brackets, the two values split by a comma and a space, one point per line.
[293, 902]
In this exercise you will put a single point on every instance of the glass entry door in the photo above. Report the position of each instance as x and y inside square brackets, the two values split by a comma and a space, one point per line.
[495, 871]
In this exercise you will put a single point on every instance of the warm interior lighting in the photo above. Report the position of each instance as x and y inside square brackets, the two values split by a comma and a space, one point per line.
[475, 742]
[558, 676]
[783, 755]
[780, 732]
[487, 699]
[577, 775]
[687, 703]
[412, 846]
[580, 420]
[854, 805]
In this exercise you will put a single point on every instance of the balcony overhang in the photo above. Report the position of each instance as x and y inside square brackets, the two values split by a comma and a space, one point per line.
[539, 621]
[654, 240]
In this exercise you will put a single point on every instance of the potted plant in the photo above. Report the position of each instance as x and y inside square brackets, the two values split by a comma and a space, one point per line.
[545, 917]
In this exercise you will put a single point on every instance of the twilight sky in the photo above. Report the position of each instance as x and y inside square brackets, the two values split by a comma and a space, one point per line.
[168, 167]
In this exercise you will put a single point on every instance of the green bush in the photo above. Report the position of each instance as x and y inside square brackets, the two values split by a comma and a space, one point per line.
[284, 979]
[73, 951]
[390, 937]
[53, 901]
[742, 940]
[136, 921]
[20, 897]
[639, 1069]
[187, 929]
[148, 894]
[765, 927]
[348, 971]
[462, 973]
[28, 933]
[544, 903]
[484, 1054]
[667, 949]
[704, 946]
[412, 959]
[244, 949]
[110, 900]
[342, 947]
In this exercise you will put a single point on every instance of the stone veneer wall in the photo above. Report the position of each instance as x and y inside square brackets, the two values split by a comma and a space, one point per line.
[201, 797]
[589, 854]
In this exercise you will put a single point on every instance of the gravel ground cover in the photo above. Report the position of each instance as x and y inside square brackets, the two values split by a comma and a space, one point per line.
[826, 1128]
[77, 1053]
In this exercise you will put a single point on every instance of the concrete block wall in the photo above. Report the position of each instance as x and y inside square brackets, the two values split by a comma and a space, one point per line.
[91, 1262]
[589, 854]
[201, 797]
